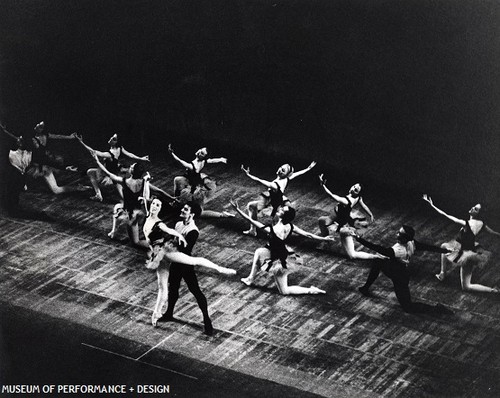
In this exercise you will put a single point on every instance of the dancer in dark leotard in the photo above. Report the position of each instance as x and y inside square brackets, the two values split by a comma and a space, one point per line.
[112, 162]
[277, 257]
[466, 253]
[274, 196]
[342, 217]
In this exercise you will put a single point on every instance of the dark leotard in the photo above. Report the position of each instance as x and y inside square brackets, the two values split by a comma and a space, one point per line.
[275, 197]
[130, 198]
[113, 164]
[277, 247]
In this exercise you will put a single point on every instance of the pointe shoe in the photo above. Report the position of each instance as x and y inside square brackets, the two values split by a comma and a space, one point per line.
[155, 317]
[226, 271]
[250, 232]
[166, 317]
[209, 329]
[315, 290]
[440, 277]
[112, 234]
[247, 281]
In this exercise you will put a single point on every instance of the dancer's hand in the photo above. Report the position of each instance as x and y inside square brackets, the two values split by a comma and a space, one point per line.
[329, 238]
[427, 198]
[322, 179]
[145, 158]
[246, 171]
[169, 148]
[313, 163]
[223, 160]
[182, 241]
[147, 177]
[72, 168]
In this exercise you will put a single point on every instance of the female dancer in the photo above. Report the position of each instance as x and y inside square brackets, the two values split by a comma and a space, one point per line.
[346, 224]
[194, 177]
[130, 209]
[46, 162]
[162, 245]
[112, 164]
[201, 194]
[466, 252]
[274, 196]
[276, 257]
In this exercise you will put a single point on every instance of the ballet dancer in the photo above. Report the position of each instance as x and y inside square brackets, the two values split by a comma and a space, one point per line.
[274, 196]
[112, 161]
[465, 252]
[276, 257]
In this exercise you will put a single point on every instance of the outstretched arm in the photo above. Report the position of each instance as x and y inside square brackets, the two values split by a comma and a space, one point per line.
[310, 235]
[92, 150]
[135, 157]
[72, 136]
[268, 184]
[178, 159]
[300, 172]
[156, 189]
[4, 129]
[113, 177]
[385, 251]
[217, 160]
[258, 224]
[428, 199]
[337, 198]
[489, 230]
[366, 209]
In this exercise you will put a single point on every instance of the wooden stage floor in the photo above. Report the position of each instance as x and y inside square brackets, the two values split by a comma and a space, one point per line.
[64, 272]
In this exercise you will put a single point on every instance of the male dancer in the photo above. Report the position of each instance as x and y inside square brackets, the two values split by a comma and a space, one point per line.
[189, 230]
[395, 268]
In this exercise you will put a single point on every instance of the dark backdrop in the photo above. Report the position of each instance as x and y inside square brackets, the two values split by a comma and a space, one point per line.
[404, 93]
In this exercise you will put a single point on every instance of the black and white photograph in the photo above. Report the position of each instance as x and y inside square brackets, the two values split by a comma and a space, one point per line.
[250, 198]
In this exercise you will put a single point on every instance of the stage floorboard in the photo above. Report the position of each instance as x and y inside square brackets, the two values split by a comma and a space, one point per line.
[59, 267]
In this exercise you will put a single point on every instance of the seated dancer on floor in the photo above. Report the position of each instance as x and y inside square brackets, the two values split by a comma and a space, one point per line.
[395, 267]
[193, 177]
[163, 245]
[345, 223]
[465, 252]
[274, 196]
[112, 161]
[46, 162]
[276, 257]
[130, 209]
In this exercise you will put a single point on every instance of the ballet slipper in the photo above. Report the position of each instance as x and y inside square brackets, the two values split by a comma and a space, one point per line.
[154, 318]
[247, 281]
[250, 232]
[315, 290]
[112, 234]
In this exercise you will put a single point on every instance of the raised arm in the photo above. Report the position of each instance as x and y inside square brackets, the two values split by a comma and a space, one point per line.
[301, 232]
[135, 157]
[258, 224]
[300, 172]
[337, 198]
[268, 184]
[178, 159]
[428, 199]
[366, 209]
[4, 129]
[113, 177]
[92, 150]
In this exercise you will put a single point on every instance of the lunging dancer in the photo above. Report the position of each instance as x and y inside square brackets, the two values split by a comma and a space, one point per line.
[346, 224]
[274, 196]
[163, 246]
[130, 209]
[193, 177]
[276, 257]
[465, 252]
[395, 267]
[112, 161]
